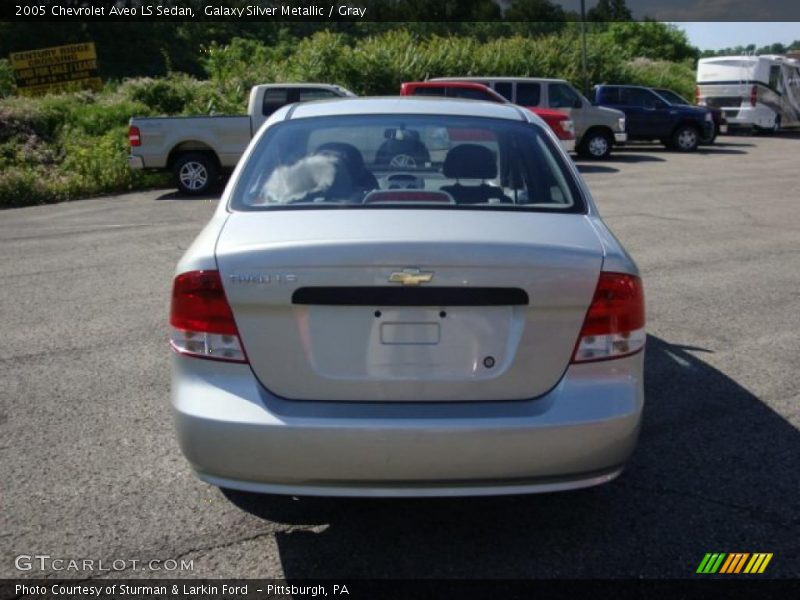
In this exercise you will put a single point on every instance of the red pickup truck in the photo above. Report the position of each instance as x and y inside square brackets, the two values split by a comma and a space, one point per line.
[559, 122]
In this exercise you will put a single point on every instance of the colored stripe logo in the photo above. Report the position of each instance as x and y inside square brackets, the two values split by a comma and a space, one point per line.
[734, 563]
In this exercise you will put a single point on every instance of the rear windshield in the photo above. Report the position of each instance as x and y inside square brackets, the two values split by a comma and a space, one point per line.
[410, 161]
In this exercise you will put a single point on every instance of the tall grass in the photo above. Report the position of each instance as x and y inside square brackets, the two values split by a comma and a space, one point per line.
[6, 78]
[66, 146]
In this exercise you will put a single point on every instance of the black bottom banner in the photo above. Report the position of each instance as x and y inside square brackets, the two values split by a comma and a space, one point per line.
[358, 589]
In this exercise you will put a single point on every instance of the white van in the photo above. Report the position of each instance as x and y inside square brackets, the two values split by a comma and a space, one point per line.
[754, 92]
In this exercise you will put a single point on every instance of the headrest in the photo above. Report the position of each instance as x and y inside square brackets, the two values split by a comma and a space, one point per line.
[411, 135]
[346, 152]
[470, 161]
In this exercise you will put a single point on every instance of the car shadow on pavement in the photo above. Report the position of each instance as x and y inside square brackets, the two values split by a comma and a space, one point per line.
[718, 150]
[176, 195]
[716, 470]
[624, 155]
[584, 168]
[724, 143]
[213, 193]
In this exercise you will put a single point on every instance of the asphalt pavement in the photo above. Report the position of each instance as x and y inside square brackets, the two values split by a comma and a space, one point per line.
[91, 469]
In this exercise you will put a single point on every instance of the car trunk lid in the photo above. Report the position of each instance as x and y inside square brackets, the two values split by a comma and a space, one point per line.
[408, 305]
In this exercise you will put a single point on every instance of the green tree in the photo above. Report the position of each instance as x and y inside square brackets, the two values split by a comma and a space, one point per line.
[651, 39]
[610, 10]
[534, 10]
[776, 48]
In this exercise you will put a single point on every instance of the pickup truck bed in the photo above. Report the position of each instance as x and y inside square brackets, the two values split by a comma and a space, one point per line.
[227, 135]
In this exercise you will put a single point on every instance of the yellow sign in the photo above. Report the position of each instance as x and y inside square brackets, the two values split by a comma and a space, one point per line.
[53, 69]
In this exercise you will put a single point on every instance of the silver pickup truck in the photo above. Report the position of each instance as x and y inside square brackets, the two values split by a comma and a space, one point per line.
[198, 149]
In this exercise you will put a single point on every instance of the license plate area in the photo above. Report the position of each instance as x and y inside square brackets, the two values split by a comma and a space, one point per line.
[399, 333]
[416, 343]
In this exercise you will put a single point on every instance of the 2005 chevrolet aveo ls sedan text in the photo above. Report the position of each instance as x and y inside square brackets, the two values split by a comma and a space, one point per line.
[406, 297]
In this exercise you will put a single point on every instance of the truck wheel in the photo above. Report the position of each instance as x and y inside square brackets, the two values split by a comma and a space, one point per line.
[195, 173]
[685, 138]
[595, 144]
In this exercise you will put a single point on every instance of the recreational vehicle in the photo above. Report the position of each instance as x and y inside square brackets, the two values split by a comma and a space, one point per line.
[754, 92]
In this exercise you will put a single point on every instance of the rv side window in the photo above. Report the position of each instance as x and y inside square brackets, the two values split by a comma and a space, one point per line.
[775, 77]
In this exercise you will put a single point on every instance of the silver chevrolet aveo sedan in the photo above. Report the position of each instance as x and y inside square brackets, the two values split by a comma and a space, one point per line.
[406, 297]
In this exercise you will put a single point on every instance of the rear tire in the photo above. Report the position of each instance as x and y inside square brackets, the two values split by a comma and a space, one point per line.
[195, 173]
[595, 145]
[685, 138]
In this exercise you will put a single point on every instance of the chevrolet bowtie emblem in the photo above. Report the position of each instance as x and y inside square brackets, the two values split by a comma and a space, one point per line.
[411, 277]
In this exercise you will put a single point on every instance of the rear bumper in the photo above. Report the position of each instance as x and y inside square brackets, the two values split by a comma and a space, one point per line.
[236, 434]
[135, 162]
[749, 116]
[422, 489]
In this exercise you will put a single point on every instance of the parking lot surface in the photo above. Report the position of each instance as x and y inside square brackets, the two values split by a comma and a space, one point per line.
[91, 469]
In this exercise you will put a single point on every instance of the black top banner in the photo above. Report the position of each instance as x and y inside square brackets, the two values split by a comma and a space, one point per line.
[398, 10]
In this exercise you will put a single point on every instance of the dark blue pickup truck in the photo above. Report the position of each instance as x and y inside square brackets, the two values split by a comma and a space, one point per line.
[648, 116]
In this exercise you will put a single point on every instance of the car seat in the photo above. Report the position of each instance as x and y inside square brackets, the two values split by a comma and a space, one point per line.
[351, 170]
[471, 161]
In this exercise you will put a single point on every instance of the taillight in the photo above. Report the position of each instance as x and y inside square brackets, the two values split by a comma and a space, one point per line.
[134, 137]
[569, 128]
[201, 318]
[753, 95]
[614, 325]
[562, 127]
